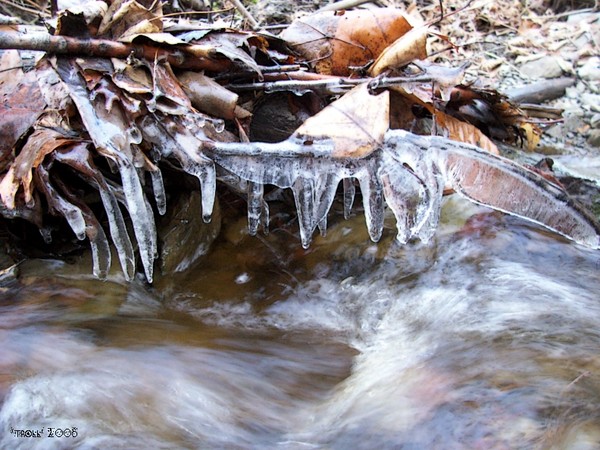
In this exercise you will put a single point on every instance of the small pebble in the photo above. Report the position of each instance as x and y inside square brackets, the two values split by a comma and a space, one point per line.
[545, 67]
[590, 70]
[593, 138]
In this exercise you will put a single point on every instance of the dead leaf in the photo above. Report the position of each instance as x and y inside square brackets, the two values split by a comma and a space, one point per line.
[356, 123]
[506, 186]
[208, 96]
[21, 102]
[41, 143]
[444, 124]
[125, 16]
[493, 114]
[408, 47]
[236, 46]
[457, 130]
[335, 43]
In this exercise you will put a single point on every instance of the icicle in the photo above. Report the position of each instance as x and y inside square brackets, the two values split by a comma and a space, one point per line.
[203, 169]
[372, 193]
[59, 204]
[404, 195]
[265, 218]
[349, 193]
[255, 203]
[79, 216]
[108, 131]
[118, 232]
[428, 211]
[411, 171]
[158, 188]
[304, 196]
[79, 159]
[325, 190]
[101, 257]
[141, 217]
[176, 140]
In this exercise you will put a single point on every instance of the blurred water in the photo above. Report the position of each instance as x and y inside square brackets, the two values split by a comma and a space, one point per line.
[486, 339]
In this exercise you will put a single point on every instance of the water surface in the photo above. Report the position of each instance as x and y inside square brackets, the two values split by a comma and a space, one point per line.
[486, 338]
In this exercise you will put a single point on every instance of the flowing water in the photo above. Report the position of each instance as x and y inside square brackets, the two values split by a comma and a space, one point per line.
[487, 338]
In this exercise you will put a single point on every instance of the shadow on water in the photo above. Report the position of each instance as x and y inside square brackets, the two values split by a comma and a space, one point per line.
[486, 338]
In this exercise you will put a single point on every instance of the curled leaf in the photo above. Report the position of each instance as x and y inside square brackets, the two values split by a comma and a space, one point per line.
[209, 96]
[408, 47]
[337, 42]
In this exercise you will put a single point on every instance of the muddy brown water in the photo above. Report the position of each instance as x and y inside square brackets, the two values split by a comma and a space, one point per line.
[487, 338]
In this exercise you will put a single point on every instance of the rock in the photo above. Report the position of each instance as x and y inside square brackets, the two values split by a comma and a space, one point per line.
[595, 121]
[590, 70]
[183, 235]
[591, 101]
[593, 138]
[544, 67]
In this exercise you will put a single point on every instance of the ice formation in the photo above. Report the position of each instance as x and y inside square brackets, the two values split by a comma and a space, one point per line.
[344, 144]
[409, 172]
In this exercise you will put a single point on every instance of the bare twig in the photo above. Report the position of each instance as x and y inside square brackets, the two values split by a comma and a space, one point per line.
[244, 12]
[190, 57]
[327, 85]
[343, 4]
[541, 91]
[36, 12]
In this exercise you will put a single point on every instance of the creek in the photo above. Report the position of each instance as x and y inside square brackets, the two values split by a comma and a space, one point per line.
[486, 338]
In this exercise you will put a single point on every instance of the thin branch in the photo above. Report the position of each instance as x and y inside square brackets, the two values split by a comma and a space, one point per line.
[244, 12]
[343, 4]
[186, 57]
[327, 86]
[36, 12]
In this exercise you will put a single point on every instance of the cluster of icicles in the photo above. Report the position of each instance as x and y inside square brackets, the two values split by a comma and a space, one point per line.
[405, 171]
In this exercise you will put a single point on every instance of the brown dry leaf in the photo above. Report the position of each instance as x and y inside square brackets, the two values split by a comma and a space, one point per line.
[21, 102]
[445, 124]
[51, 86]
[41, 143]
[236, 46]
[457, 130]
[168, 96]
[127, 17]
[506, 186]
[493, 114]
[409, 47]
[209, 96]
[356, 123]
[337, 42]
[132, 79]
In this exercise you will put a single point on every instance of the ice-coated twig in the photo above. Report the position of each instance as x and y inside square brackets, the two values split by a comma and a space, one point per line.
[328, 85]
[409, 172]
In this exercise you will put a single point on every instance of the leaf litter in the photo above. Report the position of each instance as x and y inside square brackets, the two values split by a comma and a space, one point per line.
[123, 119]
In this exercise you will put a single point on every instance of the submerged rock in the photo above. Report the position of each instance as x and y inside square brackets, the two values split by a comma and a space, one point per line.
[184, 237]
